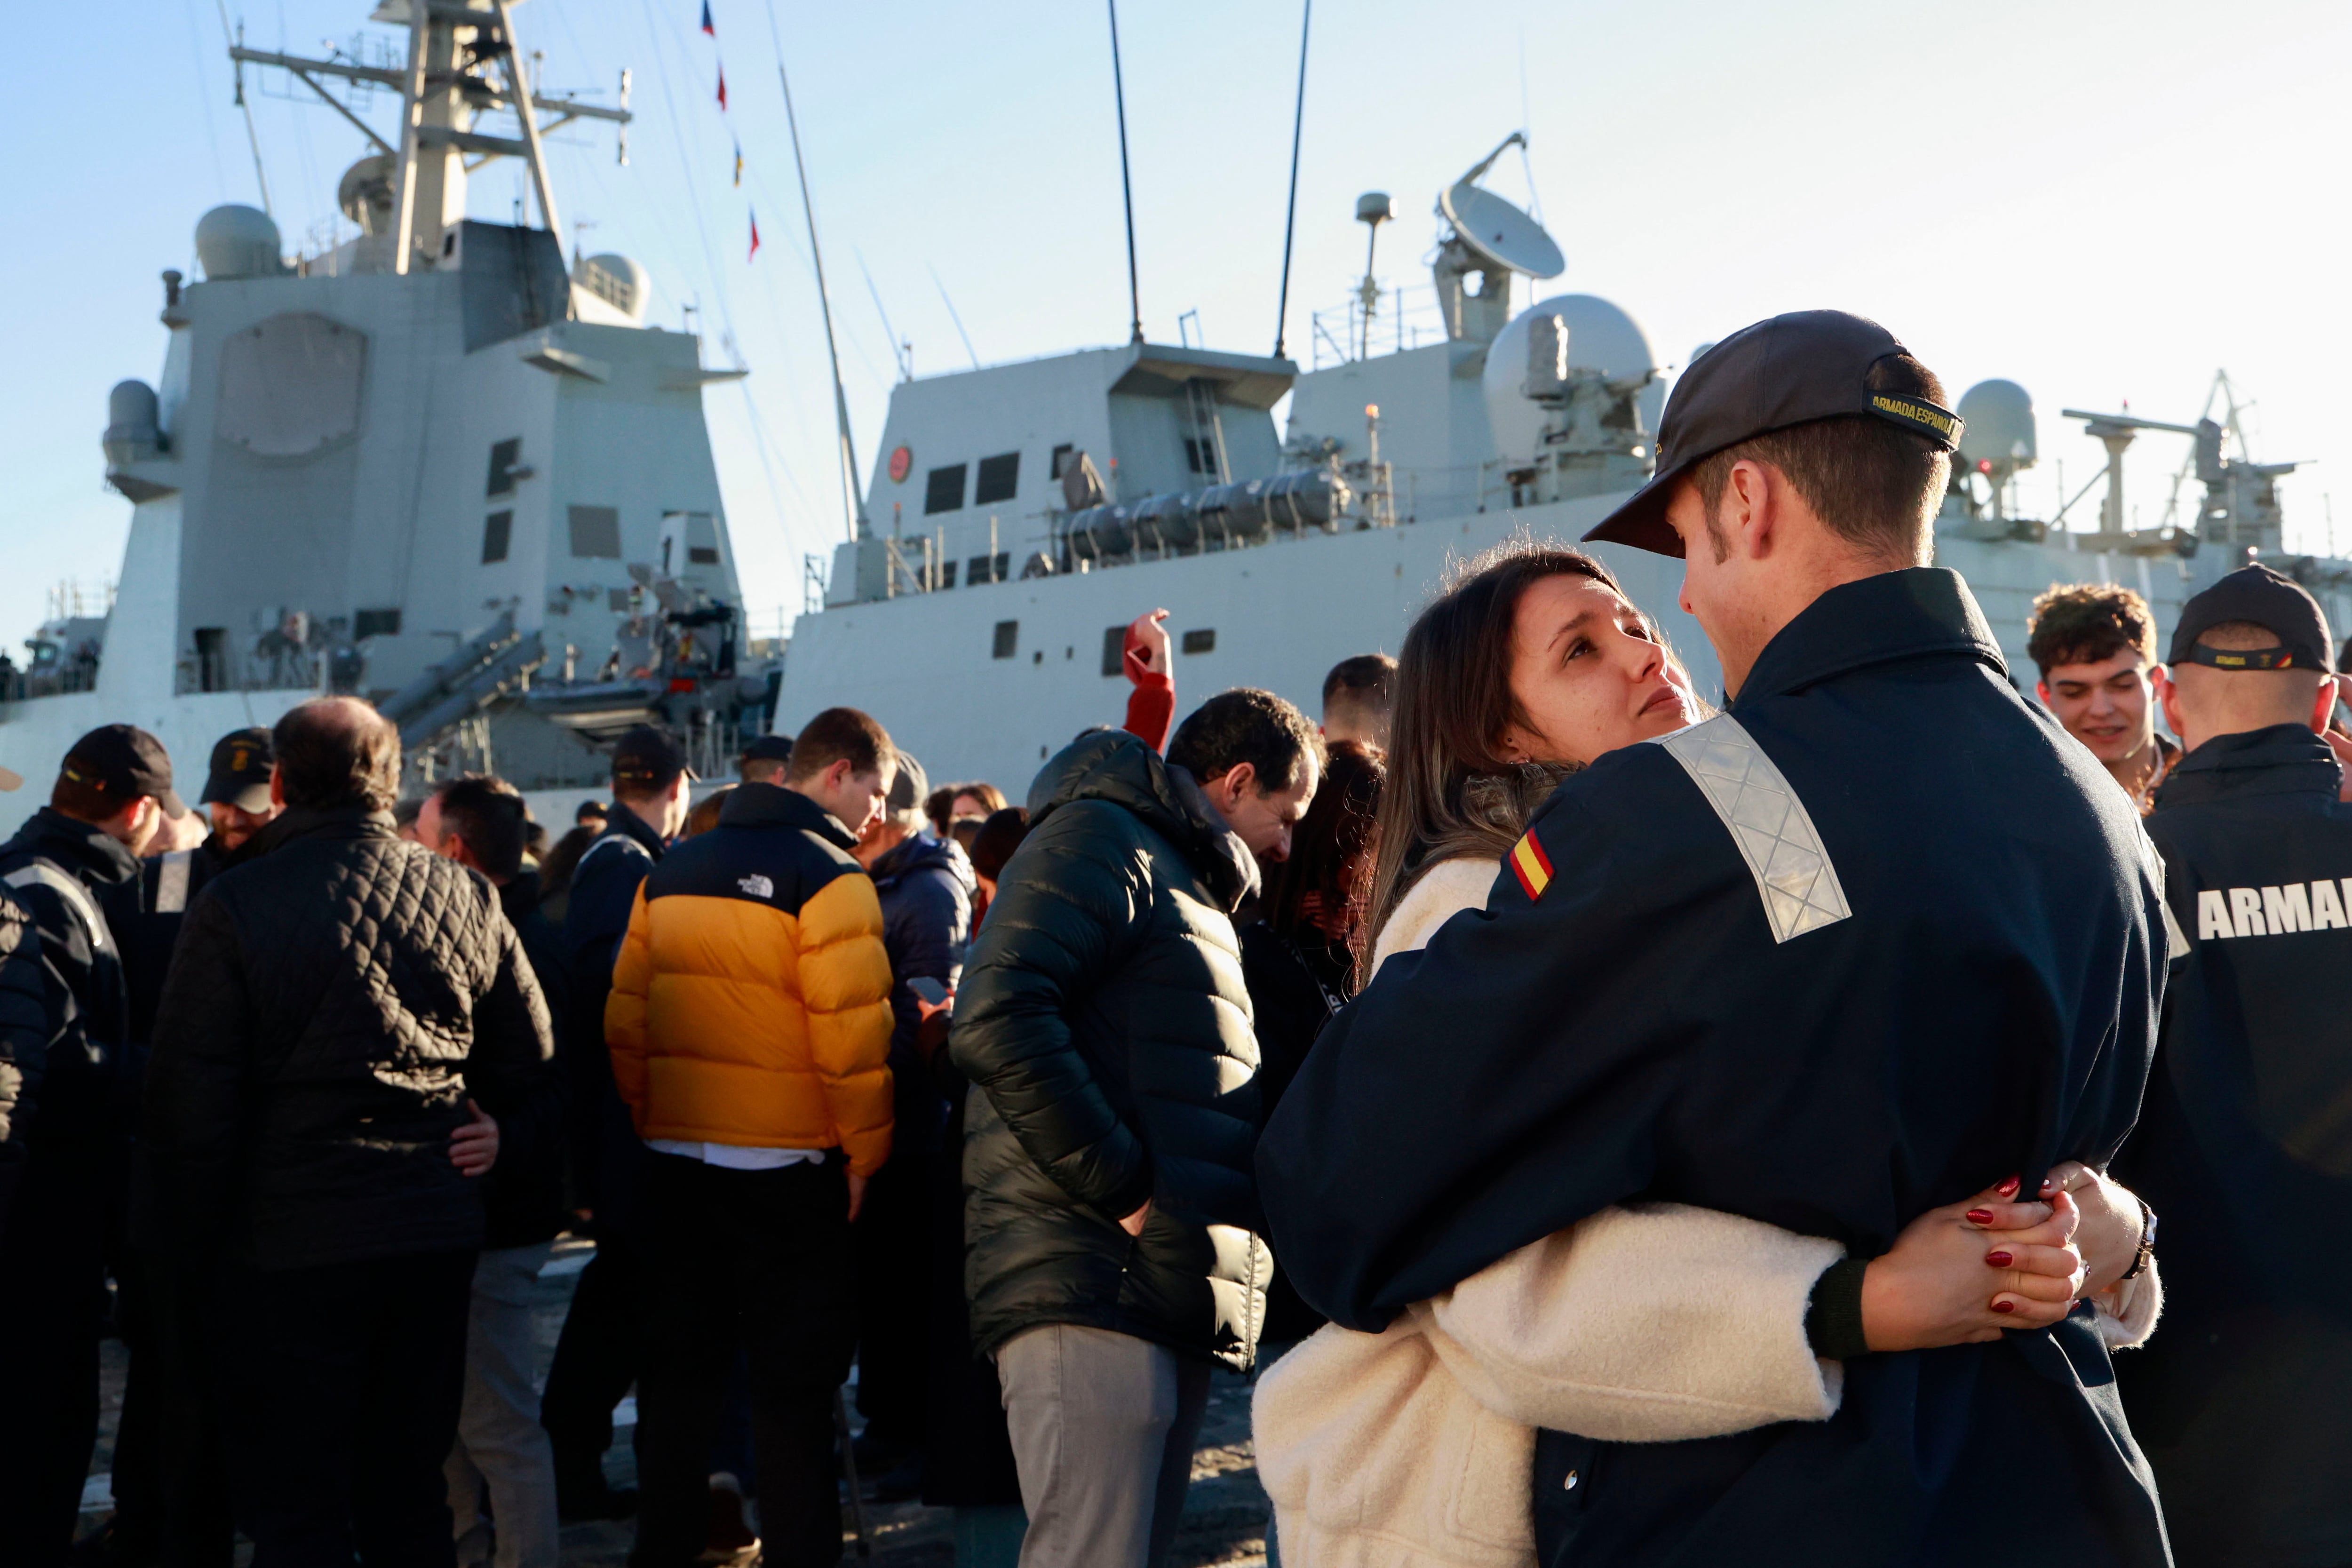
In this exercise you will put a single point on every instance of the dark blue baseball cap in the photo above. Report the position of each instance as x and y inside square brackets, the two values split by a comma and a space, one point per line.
[1790, 369]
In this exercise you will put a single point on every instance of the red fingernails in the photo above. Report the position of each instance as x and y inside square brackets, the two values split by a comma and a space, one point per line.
[1980, 1216]
[1998, 1260]
[2008, 1189]
[2004, 1306]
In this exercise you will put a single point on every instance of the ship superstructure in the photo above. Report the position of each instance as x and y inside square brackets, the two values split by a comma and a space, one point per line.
[433, 465]
[1018, 516]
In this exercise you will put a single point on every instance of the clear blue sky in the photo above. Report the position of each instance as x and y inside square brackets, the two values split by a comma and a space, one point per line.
[2101, 202]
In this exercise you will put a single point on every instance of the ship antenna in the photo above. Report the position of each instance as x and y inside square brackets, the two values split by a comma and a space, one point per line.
[856, 514]
[1125, 184]
[1290, 219]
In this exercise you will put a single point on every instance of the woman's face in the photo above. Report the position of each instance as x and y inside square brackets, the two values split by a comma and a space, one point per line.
[1591, 675]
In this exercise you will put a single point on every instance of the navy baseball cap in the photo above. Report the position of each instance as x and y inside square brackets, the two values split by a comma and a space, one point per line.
[239, 774]
[123, 762]
[1790, 369]
[648, 757]
[2258, 596]
[767, 748]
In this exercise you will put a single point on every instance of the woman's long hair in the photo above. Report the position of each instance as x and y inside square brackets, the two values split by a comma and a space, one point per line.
[1325, 875]
[1449, 792]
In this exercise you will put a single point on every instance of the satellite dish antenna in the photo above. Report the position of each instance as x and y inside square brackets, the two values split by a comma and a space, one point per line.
[1500, 234]
[1490, 239]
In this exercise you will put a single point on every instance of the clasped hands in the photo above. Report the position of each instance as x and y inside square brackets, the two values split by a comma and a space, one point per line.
[1962, 1274]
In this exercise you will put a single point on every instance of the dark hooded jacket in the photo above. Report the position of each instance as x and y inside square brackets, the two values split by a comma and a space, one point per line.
[2244, 1150]
[72, 878]
[926, 887]
[602, 891]
[1105, 1028]
[335, 999]
[1876, 938]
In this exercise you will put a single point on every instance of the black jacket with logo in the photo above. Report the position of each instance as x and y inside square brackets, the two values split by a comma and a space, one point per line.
[1105, 1026]
[2245, 1154]
[1876, 938]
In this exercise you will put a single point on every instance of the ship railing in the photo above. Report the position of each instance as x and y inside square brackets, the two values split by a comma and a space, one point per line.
[1401, 318]
[222, 671]
[55, 681]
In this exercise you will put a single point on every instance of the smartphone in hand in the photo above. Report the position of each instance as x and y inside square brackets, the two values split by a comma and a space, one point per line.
[931, 991]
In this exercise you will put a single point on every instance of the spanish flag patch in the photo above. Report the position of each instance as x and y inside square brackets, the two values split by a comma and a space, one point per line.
[1531, 865]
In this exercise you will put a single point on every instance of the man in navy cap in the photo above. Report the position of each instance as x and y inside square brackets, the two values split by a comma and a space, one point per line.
[73, 860]
[1873, 940]
[2245, 1144]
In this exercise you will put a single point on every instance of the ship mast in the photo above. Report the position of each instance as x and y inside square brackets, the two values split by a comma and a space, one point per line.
[444, 84]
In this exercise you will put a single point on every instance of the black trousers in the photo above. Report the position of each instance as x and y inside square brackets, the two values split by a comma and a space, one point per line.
[344, 1382]
[893, 1246]
[173, 1396]
[755, 1261]
[52, 1304]
[596, 1361]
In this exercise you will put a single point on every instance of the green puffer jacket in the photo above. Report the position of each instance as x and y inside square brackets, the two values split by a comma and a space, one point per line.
[1105, 1028]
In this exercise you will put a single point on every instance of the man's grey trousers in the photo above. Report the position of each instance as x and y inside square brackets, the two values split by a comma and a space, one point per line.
[501, 1470]
[1103, 1426]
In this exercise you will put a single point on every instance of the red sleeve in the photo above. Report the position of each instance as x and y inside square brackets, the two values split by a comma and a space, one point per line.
[1152, 706]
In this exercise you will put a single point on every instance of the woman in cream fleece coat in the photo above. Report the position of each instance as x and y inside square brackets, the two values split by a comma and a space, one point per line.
[1645, 1322]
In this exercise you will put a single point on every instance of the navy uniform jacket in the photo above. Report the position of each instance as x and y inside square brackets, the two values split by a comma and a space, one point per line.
[1876, 938]
[603, 890]
[2245, 1154]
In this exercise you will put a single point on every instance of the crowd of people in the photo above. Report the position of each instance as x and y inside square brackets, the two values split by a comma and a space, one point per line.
[1620, 1128]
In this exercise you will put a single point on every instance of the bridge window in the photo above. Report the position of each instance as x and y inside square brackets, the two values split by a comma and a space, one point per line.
[943, 491]
[999, 478]
[1061, 459]
[375, 624]
[1008, 639]
[505, 457]
[597, 533]
[498, 530]
[1203, 640]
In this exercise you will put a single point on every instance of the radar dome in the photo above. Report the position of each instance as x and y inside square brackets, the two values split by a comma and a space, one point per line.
[2001, 426]
[1600, 337]
[620, 282]
[365, 192]
[237, 242]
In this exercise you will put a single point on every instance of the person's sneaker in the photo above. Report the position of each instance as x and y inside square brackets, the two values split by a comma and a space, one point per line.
[730, 1538]
[594, 1499]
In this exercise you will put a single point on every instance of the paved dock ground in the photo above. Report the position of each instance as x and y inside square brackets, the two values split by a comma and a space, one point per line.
[1225, 1517]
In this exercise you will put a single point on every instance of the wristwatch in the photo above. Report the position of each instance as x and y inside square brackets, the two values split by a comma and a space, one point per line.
[2146, 1253]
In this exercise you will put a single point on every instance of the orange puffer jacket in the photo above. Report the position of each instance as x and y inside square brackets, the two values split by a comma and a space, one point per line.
[751, 1002]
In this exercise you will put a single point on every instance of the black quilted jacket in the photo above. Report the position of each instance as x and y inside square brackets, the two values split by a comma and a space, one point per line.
[1106, 1027]
[335, 998]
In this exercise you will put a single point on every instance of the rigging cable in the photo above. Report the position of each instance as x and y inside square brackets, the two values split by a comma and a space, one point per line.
[1290, 218]
[251, 135]
[1125, 184]
[953, 317]
[212, 135]
[857, 517]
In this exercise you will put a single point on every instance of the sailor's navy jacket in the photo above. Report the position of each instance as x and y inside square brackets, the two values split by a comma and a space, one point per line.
[2245, 1152]
[1875, 938]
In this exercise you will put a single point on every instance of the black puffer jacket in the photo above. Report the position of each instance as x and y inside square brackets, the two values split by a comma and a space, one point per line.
[1106, 1027]
[24, 1041]
[334, 1000]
